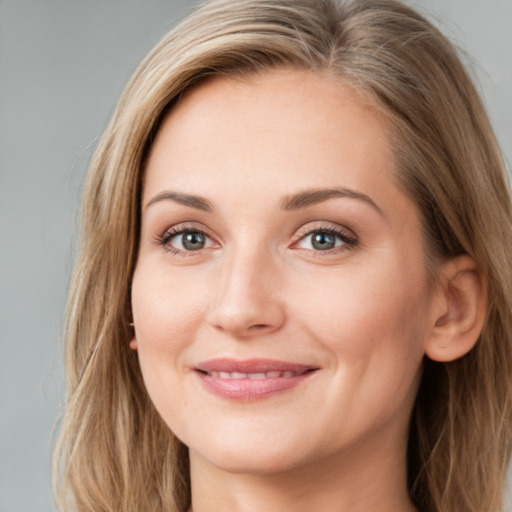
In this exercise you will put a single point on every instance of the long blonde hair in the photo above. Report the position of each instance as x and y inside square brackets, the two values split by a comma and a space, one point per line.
[114, 452]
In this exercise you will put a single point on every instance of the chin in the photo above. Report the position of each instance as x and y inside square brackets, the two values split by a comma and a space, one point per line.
[257, 458]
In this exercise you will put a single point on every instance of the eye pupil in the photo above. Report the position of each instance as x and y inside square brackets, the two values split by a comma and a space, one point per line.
[323, 241]
[193, 241]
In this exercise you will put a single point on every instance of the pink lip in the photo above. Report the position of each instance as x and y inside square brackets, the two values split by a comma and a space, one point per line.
[280, 376]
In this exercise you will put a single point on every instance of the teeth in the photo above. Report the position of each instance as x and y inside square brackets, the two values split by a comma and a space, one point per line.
[260, 375]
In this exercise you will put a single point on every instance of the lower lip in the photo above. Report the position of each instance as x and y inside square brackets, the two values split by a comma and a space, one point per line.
[250, 389]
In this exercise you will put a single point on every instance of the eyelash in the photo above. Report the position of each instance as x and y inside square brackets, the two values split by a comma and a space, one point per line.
[349, 241]
[165, 239]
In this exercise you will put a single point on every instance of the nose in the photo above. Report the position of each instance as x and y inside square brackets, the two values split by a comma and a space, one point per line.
[248, 301]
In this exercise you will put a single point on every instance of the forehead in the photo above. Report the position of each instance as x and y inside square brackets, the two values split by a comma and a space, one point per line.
[275, 120]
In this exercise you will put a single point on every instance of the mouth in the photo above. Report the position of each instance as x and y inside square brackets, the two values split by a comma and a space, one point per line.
[253, 379]
[258, 375]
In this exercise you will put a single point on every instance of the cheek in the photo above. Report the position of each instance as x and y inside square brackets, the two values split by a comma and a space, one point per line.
[165, 313]
[166, 307]
[372, 318]
[374, 330]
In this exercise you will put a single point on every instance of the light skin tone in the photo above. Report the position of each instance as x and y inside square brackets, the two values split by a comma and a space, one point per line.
[273, 228]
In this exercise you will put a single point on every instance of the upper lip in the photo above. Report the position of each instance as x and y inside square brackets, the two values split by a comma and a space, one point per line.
[252, 366]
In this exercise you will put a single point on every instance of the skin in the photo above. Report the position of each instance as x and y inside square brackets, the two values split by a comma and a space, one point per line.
[361, 312]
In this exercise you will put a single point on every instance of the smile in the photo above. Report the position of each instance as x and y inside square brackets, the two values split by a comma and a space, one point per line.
[266, 375]
[251, 380]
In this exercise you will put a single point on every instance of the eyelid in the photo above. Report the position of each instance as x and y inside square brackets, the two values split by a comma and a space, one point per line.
[348, 237]
[164, 238]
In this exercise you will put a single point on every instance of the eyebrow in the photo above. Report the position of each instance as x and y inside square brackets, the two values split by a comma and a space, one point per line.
[297, 201]
[315, 196]
[197, 202]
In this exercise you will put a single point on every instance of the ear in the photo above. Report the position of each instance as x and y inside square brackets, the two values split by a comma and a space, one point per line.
[459, 308]
[133, 342]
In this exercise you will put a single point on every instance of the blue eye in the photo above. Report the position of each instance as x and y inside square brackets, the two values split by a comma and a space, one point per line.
[326, 239]
[323, 241]
[191, 241]
[185, 240]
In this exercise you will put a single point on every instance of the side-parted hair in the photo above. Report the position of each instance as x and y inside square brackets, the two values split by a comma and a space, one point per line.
[114, 452]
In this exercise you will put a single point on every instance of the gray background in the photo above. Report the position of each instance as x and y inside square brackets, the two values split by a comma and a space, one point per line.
[63, 64]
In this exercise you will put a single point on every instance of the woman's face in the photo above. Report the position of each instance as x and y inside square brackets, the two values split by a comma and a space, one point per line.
[280, 296]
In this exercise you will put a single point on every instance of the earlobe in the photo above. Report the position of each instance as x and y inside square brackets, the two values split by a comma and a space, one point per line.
[460, 307]
[133, 342]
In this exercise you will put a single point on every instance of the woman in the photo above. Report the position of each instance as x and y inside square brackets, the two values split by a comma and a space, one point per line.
[293, 286]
